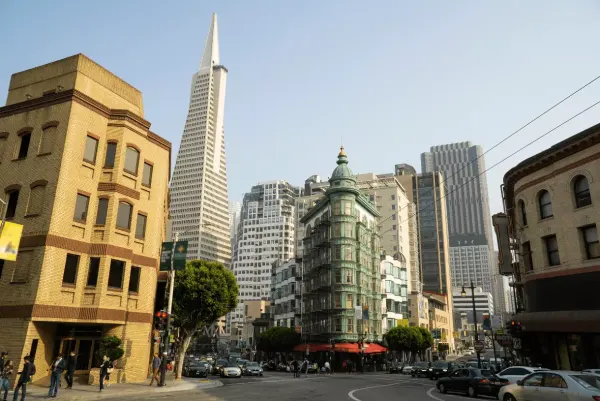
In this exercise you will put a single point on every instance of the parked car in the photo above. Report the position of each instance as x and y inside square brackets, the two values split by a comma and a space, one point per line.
[231, 370]
[592, 371]
[395, 367]
[514, 373]
[241, 362]
[218, 366]
[252, 369]
[196, 369]
[420, 369]
[439, 369]
[283, 367]
[472, 382]
[553, 385]
[271, 365]
[406, 369]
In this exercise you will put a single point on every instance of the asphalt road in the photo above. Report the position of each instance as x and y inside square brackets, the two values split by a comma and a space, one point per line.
[284, 387]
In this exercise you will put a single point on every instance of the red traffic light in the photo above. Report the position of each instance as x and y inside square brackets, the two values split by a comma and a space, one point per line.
[161, 314]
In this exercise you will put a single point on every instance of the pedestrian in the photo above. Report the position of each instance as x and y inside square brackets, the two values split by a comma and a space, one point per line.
[163, 369]
[3, 357]
[155, 369]
[56, 370]
[5, 373]
[295, 367]
[327, 368]
[71, 365]
[105, 371]
[24, 377]
[350, 365]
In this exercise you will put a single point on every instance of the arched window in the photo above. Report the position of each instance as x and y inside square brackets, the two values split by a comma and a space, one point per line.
[545, 204]
[581, 189]
[523, 212]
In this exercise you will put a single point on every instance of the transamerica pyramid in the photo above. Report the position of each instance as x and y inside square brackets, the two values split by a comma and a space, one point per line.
[199, 202]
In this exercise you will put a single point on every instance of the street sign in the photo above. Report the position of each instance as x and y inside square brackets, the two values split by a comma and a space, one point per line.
[516, 343]
[180, 255]
[505, 340]
[10, 237]
[165, 256]
[479, 346]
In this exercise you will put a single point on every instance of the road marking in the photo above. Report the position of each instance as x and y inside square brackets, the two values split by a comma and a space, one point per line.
[276, 381]
[433, 396]
[351, 393]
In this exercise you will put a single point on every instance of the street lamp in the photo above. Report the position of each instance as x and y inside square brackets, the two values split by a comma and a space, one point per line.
[476, 336]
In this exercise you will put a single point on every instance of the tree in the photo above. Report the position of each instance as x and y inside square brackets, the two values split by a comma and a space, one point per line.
[204, 292]
[415, 340]
[111, 347]
[397, 338]
[278, 339]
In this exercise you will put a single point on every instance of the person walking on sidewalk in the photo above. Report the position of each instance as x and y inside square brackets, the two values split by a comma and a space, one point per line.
[105, 371]
[24, 378]
[5, 373]
[56, 370]
[155, 369]
[71, 364]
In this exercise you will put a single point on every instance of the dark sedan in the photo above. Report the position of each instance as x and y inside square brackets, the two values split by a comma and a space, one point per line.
[196, 369]
[472, 382]
[251, 369]
[395, 367]
[439, 369]
[420, 369]
[218, 366]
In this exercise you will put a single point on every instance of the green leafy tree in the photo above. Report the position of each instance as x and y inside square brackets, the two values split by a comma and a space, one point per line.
[426, 340]
[278, 339]
[111, 347]
[398, 339]
[443, 348]
[204, 292]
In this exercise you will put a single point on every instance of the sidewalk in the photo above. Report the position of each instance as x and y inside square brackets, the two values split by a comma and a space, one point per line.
[86, 392]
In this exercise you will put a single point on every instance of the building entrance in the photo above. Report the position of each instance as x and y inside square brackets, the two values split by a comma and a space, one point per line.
[84, 341]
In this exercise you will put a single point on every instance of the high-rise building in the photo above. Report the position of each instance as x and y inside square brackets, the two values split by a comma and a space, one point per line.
[484, 302]
[88, 180]
[286, 289]
[199, 203]
[341, 264]
[266, 234]
[235, 214]
[469, 221]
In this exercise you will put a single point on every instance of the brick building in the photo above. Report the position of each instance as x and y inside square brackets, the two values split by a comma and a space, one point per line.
[553, 200]
[83, 173]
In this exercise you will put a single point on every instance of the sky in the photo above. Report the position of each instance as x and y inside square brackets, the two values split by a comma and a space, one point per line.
[389, 79]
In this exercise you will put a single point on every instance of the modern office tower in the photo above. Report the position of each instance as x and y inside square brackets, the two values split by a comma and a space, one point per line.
[199, 203]
[469, 222]
[286, 289]
[341, 264]
[484, 302]
[235, 214]
[266, 234]
[87, 179]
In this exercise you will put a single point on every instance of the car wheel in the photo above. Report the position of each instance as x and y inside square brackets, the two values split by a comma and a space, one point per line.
[442, 389]
[509, 397]
[471, 392]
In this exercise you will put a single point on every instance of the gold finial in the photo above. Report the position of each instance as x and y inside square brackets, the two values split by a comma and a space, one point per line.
[342, 152]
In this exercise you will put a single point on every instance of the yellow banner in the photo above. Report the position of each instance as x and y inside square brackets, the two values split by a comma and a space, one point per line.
[456, 335]
[444, 337]
[10, 237]
[402, 323]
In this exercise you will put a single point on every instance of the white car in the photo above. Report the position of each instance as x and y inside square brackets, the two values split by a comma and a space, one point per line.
[593, 371]
[553, 385]
[406, 369]
[514, 373]
[231, 370]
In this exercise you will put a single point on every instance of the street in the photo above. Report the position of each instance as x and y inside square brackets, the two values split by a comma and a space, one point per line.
[276, 386]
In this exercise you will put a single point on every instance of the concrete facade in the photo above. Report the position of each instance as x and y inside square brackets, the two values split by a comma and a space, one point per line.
[89, 181]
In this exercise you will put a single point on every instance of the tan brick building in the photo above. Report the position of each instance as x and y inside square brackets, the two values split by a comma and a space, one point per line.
[83, 173]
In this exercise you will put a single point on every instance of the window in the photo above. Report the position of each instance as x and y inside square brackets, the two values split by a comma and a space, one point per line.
[393, 207]
[350, 325]
[132, 159]
[81, 207]
[348, 230]
[394, 216]
[140, 226]
[338, 276]
[338, 325]
[91, 147]
[581, 188]
[47, 141]
[93, 270]
[338, 252]
[147, 174]
[348, 208]
[24, 145]
[523, 213]
[337, 230]
[102, 211]
[36, 200]
[111, 151]
[591, 243]
[124, 216]
[338, 301]
[70, 273]
[545, 204]
[348, 253]
[394, 227]
[11, 207]
[349, 303]
[337, 208]
[348, 276]
[115, 276]
[552, 250]
[393, 197]
[134, 279]
[1, 267]
[535, 380]
[527, 260]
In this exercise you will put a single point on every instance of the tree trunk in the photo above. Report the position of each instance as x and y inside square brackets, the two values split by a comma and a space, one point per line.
[185, 340]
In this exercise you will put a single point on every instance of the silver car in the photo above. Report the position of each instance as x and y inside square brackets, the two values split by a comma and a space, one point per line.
[553, 385]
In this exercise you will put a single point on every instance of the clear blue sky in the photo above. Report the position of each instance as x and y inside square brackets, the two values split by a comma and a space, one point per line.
[391, 77]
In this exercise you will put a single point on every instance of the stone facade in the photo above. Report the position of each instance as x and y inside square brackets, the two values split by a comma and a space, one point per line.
[341, 263]
[92, 184]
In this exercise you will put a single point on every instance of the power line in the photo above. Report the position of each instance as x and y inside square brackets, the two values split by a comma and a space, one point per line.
[515, 132]
[501, 161]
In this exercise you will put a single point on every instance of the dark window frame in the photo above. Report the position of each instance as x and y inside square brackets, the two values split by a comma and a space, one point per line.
[587, 245]
[122, 264]
[87, 207]
[67, 274]
[110, 156]
[93, 272]
[523, 212]
[527, 258]
[147, 183]
[128, 228]
[136, 282]
[85, 149]
[102, 212]
[24, 150]
[12, 204]
[137, 161]
[552, 252]
[141, 217]
[582, 195]
[545, 204]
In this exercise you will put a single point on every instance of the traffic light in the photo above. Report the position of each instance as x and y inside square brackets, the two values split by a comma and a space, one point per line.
[515, 328]
[160, 320]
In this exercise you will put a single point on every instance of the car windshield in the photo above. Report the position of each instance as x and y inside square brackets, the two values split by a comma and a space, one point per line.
[231, 365]
[195, 364]
[420, 364]
[590, 382]
[222, 362]
[252, 364]
[486, 373]
[440, 365]
[241, 361]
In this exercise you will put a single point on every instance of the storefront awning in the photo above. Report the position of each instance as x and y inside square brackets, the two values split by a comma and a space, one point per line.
[341, 347]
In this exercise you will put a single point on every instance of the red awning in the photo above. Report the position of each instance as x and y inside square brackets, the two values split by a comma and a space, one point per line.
[312, 347]
[375, 349]
[346, 347]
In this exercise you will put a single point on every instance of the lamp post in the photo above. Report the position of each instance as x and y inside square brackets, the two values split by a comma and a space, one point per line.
[476, 335]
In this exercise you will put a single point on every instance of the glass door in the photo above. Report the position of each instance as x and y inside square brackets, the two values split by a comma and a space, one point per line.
[84, 354]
